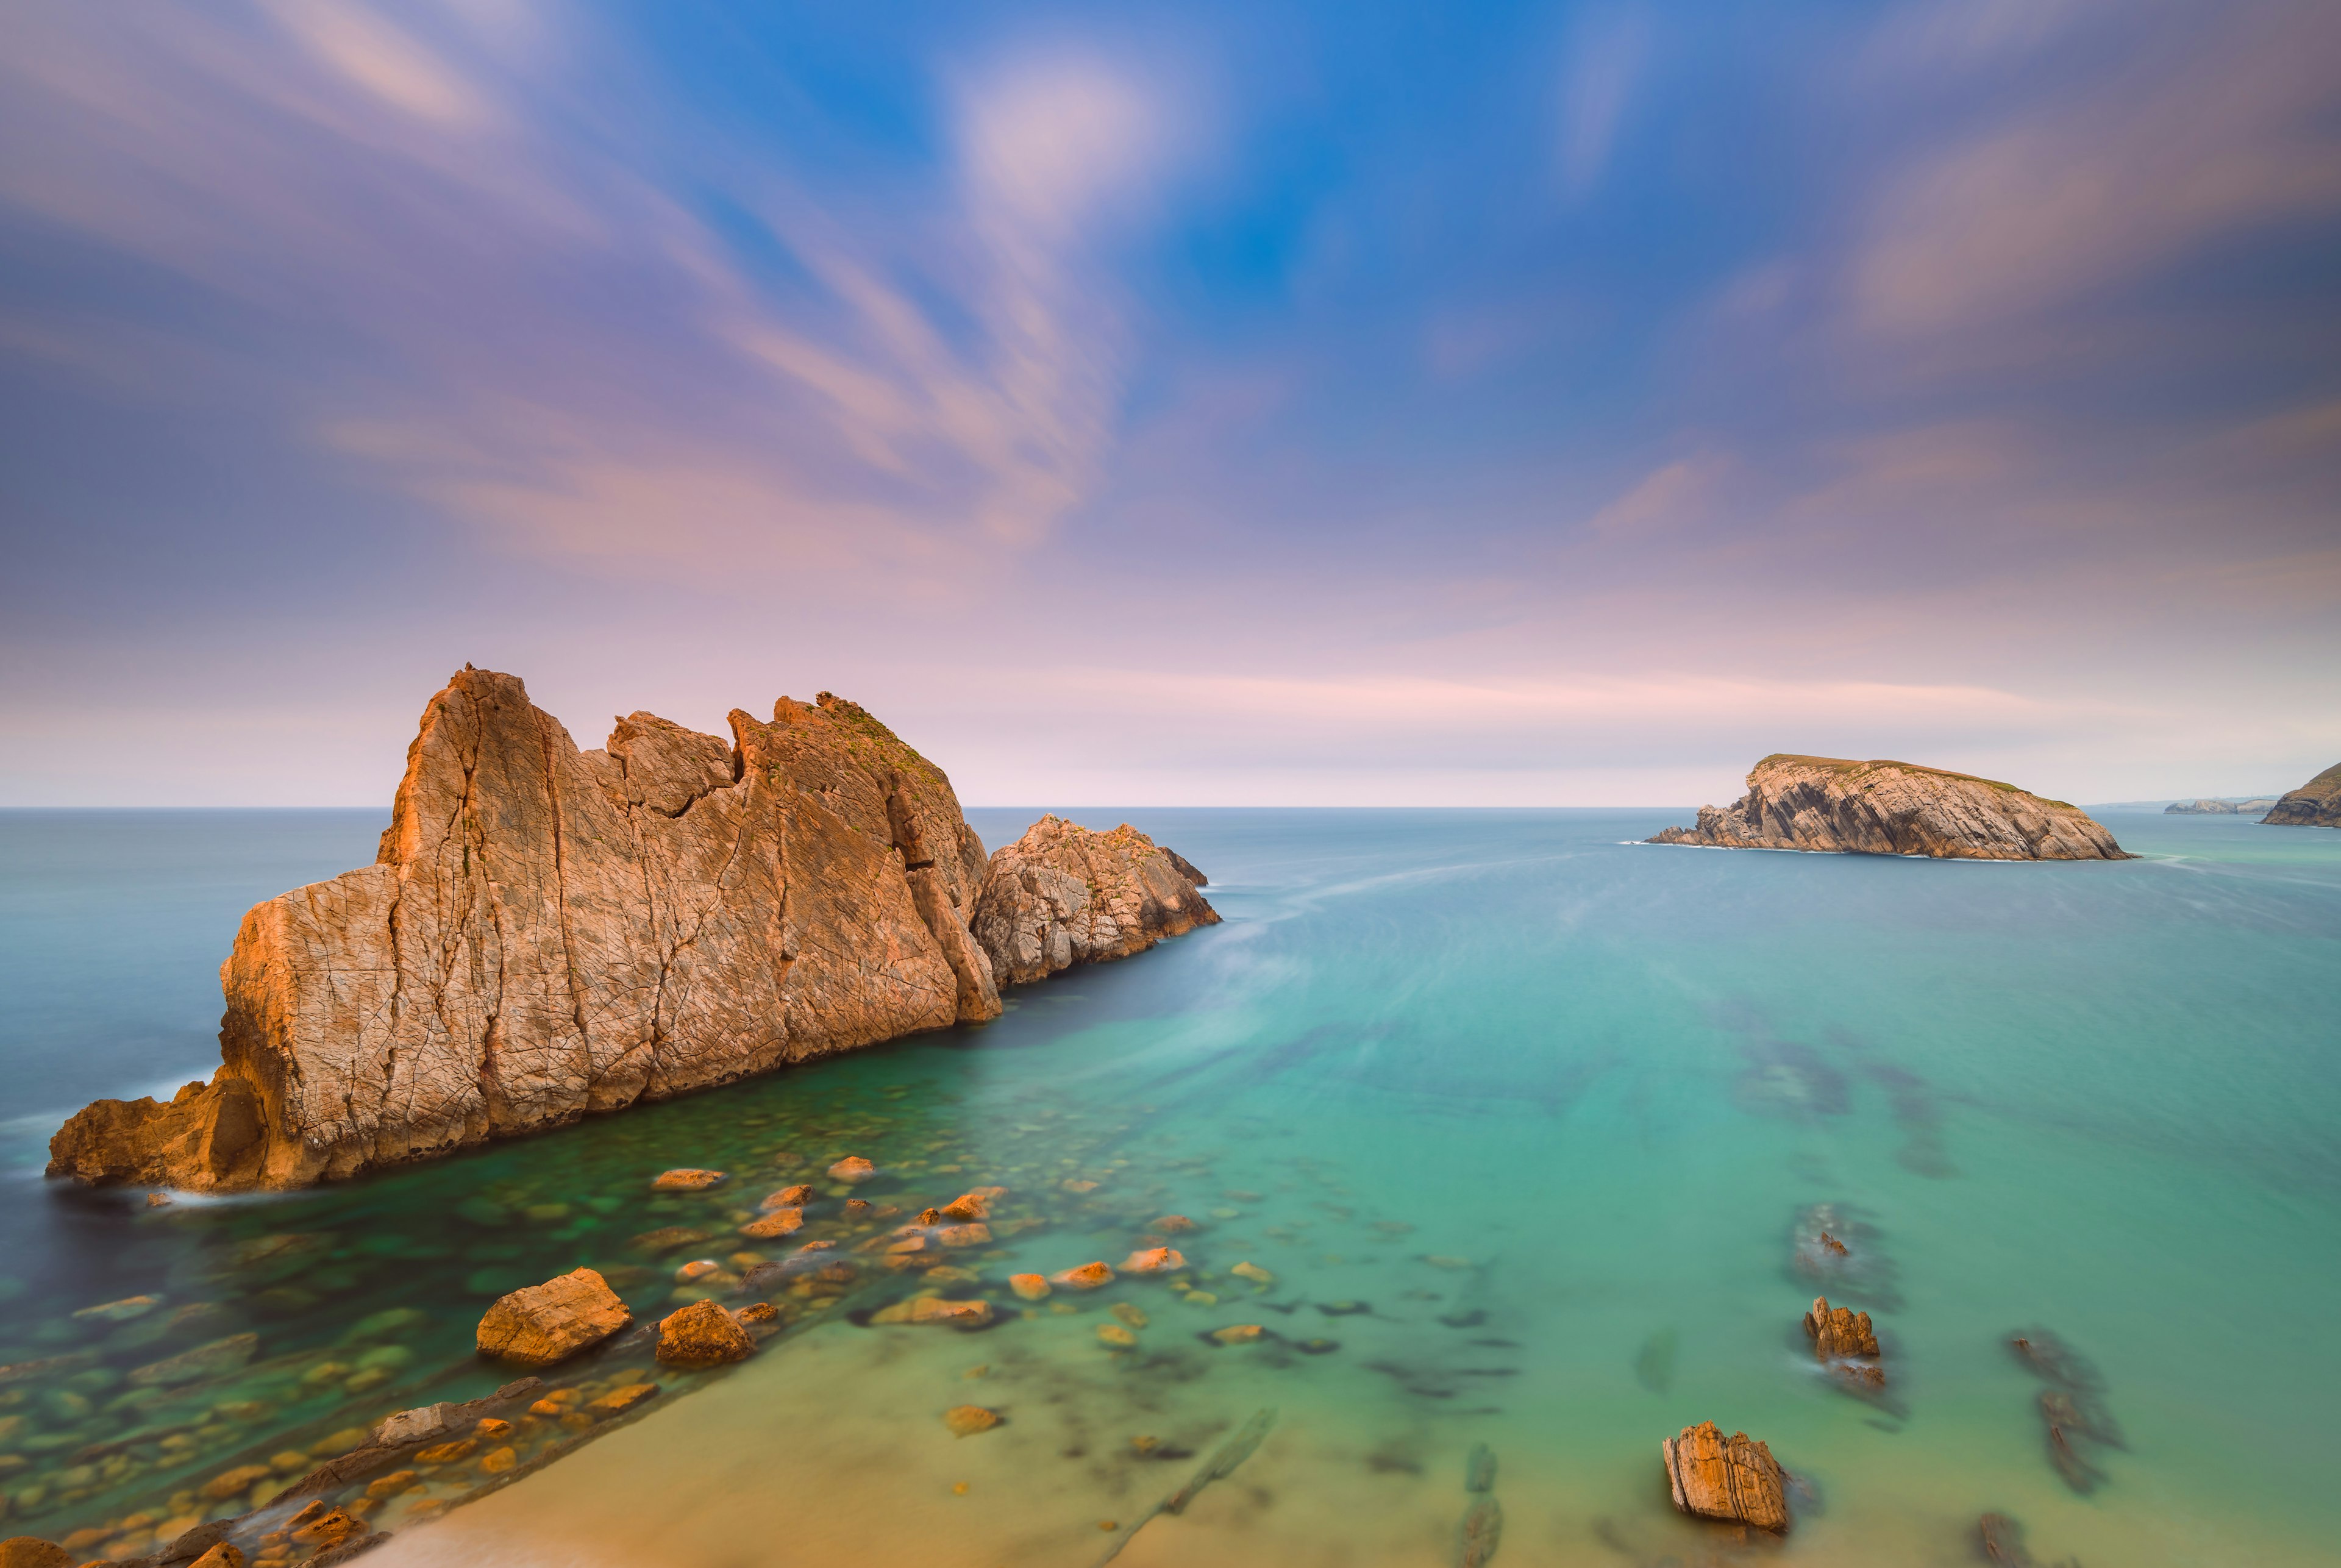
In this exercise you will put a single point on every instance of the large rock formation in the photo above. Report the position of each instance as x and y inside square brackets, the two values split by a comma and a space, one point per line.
[1734, 1478]
[1844, 807]
[2316, 803]
[549, 932]
[1065, 894]
[2209, 806]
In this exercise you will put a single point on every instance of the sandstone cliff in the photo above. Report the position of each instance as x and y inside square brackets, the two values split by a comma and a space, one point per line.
[1064, 895]
[548, 932]
[2316, 803]
[1830, 805]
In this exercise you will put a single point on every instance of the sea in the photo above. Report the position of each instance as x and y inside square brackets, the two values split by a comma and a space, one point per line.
[1498, 1146]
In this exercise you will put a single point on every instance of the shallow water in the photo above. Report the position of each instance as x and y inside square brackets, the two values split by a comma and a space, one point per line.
[1536, 1110]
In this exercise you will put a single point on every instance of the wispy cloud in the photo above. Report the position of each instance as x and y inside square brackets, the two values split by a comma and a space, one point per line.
[1605, 59]
[547, 340]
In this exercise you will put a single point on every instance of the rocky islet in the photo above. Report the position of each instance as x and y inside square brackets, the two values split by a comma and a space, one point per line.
[1834, 805]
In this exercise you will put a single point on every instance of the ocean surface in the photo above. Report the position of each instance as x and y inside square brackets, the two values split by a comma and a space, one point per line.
[1526, 1131]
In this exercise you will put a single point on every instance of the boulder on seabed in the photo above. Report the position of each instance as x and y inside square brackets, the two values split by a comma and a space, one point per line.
[1154, 1261]
[685, 1179]
[852, 1168]
[1734, 1478]
[1031, 1287]
[548, 1322]
[1088, 1277]
[703, 1334]
[934, 1309]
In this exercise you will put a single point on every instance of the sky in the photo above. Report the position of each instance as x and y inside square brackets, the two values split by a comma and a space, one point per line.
[1210, 404]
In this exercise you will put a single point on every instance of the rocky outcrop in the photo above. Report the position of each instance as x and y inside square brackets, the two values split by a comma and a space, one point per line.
[1734, 1478]
[1064, 895]
[2239, 806]
[548, 1322]
[548, 932]
[1833, 805]
[2316, 803]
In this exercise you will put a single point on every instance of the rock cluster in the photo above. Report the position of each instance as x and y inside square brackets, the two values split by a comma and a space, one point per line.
[548, 932]
[2316, 803]
[1065, 894]
[1833, 805]
[1734, 1478]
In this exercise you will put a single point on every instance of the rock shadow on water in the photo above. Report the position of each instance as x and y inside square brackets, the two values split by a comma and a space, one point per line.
[2075, 1419]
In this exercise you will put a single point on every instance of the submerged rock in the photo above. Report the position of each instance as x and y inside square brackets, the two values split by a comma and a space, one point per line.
[967, 1420]
[1064, 895]
[935, 1309]
[1154, 1261]
[852, 1168]
[1481, 1532]
[685, 1179]
[1088, 1277]
[670, 912]
[545, 1323]
[1837, 807]
[703, 1334]
[1734, 1478]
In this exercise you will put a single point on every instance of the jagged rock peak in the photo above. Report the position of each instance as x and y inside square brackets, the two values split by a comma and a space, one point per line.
[1835, 805]
[548, 932]
[2316, 803]
[1065, 894]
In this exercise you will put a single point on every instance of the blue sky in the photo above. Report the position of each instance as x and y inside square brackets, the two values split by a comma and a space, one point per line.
[1261, 404]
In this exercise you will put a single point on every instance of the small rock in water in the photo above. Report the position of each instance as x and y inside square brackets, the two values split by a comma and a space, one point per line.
[545, 1323]
[1734, 1478]
[1077, 1187]
[1088, 1277]
[1480, 1468]
[622, 1398]
[756, 1313]
[1115, 1335]
[967, 1235]
[1238, 1333]
[852, 1168]
[1129, 1313]
[975, 1206]
[967, 1420]
[1477, 1538]
[703, 1334]
[666, 1238]
[779, 1223]
[1830, 1243]
[791, 1197]
[1173, 1224]
[685, 1179]
[1153, 1261]
[1254, 1273]
[1839, 1332]
[1031, 1287]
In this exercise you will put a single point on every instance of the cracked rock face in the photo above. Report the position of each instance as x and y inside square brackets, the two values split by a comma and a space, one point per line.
[2316, 803]
[548, 932]
[1064, 895]
[1833, 805]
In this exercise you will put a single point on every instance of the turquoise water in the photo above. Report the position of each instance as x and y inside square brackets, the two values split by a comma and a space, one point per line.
[1538, 1110]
